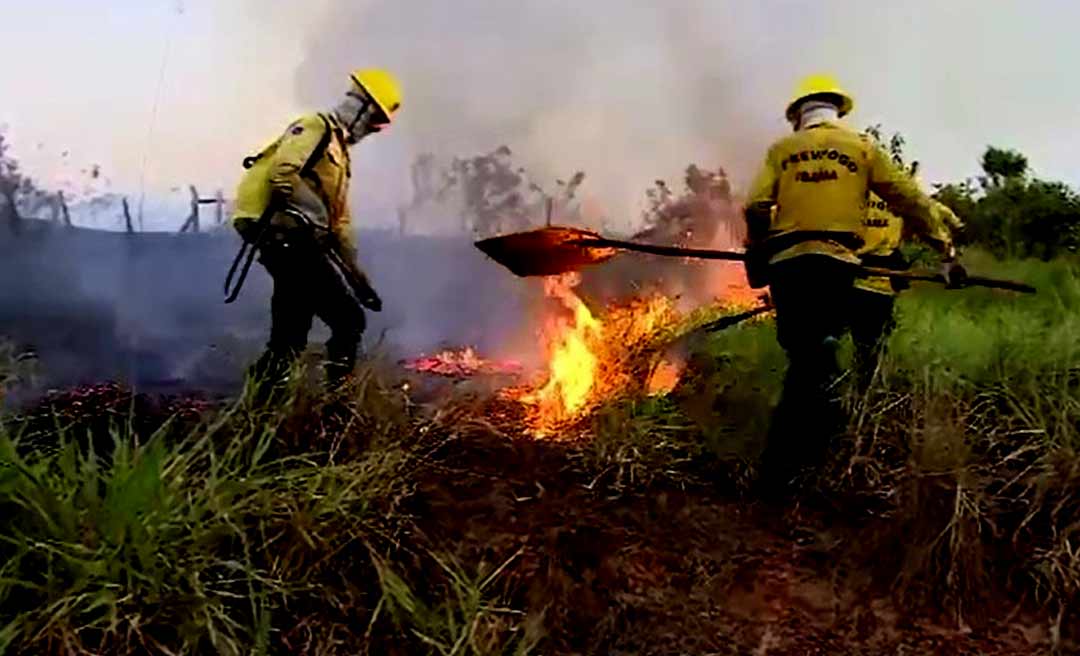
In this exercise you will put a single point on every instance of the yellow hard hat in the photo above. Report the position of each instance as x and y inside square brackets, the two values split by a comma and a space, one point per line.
[819, 85]
[381, 86]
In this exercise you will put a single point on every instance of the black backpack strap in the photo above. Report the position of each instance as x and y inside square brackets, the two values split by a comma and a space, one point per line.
[312, 160]
[248, 249]
[307, 172]
[320, 148]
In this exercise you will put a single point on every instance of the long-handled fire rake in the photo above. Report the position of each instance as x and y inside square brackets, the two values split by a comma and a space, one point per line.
[554, 250]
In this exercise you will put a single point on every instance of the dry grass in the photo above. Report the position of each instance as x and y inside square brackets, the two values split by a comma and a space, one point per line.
[255, 530]
[352, 524]
[960, 464]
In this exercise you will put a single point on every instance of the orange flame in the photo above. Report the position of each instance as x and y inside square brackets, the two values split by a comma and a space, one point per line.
[572, 364]
[590, 360]
[726, 283]
[665, 376]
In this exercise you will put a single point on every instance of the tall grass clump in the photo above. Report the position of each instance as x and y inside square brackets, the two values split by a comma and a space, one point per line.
[962, 458]
[261, 528]
[637, 442]
[16, 367]
[465, 619]
[978, 413]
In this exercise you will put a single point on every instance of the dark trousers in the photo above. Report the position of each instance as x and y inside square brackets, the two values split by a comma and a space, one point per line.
[306, 285]
[872, 323]
[813, 299]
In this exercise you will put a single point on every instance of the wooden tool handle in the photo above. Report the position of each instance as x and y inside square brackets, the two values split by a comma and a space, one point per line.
[669, 251]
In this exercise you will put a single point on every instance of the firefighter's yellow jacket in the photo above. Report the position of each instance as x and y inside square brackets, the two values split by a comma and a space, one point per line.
[817, 182]
[309, 166]
[883, 232]
[946, 219]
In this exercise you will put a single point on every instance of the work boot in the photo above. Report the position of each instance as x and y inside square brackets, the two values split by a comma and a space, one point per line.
[269, 375]
[341, 358]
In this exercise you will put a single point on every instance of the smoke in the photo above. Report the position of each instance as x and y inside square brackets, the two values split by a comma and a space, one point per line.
[626, 91]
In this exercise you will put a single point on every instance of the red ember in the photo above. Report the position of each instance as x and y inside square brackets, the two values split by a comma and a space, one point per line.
[462, 363]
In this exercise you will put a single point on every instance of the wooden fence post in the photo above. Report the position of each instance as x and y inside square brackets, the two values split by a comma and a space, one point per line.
[194, 208]
[218, 201]
[192, 222]
[64, 213]
[127, 216]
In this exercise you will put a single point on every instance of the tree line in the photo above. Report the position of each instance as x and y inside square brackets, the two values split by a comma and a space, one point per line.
[1006, 210]
[1013, 213]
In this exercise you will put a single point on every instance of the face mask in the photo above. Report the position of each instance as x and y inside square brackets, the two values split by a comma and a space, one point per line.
[815, 113]
[359, 116]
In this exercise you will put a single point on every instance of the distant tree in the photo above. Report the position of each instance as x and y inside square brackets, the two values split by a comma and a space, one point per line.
[999, 165]
[658, 197]
[960, 197]
[12, 184]
[498, 196]
[1007, 212]
[19, 195]
[1013, 214]
[693, 217]
[423, 175]
[893, 145]
[568, 188]
[1034, 218]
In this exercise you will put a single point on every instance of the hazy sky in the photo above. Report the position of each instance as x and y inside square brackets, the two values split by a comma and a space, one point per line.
[627, 90]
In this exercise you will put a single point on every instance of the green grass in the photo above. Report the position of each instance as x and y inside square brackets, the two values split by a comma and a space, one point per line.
[947, 340]
[465, 621]
[291, 529]
[232, 538]
[16, 367]
[980, 336]
[966, 445]
[636, 443]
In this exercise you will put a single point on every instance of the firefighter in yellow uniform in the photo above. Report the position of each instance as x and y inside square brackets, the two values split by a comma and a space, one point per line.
[872, 320]
[292, 205]
[805, 213]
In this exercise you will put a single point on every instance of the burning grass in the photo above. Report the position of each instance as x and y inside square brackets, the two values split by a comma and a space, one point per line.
[946, 523]
[592, 359]
[462, 363]
[253, 530]
[954, 455]
[600, 357]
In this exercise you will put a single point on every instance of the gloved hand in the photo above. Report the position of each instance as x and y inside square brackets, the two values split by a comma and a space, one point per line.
[757, 267]
[950, 252]
[372, 302]
[356, 278]
[955, 274]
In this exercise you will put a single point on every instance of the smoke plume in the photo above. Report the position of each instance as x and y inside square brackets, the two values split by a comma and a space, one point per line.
[626, 91]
